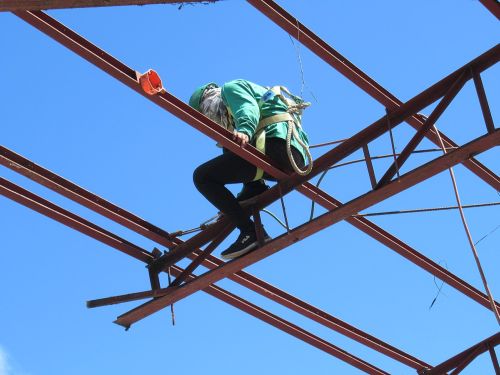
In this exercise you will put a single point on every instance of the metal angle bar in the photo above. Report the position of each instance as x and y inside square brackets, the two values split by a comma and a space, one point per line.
[494, 359]
[65, 217]
[462, 365]
[358, 204]
[68, 189]
[28, 168]
[55, 212]
[196, 262]
[483, 101]
[51, 210]
[30, 200]
[493, 6]
[454, 361]
[15, 5]
[429, 123]
[316, 314]
[112, 66]
[332, 57]
[98, 204]
[369, 165]
[291, 329]
[301, 307]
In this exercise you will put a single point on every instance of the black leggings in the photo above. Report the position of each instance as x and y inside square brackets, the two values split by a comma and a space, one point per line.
[228, 168]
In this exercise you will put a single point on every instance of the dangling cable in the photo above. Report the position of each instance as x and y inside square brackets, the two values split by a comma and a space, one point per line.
[469, 237]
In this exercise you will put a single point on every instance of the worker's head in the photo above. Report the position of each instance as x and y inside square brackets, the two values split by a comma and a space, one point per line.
[207, 99]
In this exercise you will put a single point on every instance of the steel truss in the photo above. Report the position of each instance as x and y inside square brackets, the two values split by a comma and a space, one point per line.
[186, 283]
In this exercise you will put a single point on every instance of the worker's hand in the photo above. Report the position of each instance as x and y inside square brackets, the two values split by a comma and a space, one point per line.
[240, 138]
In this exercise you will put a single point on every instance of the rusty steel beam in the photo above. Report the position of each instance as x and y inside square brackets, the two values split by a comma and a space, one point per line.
[65, 217]
[493, 6]
[57, 213]
[291, 329]
[340, 63]
[356, 205]
[429, 123]
[369, 166]
[483, 101]
[98, 204]
[494, 359]
[126, 75]
[16, 5]
[462, 357]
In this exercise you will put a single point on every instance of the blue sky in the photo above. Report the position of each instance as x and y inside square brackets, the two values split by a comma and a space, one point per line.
[75, 120]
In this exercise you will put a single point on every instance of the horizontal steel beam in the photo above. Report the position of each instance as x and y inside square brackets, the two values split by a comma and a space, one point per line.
[356, 205]
[340, 63]
[33, 201]
[16, 5]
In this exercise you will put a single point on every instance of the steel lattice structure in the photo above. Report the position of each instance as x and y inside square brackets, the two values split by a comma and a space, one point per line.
[186, 283]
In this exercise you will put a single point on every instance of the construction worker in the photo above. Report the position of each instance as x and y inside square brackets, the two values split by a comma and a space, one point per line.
[239, 107]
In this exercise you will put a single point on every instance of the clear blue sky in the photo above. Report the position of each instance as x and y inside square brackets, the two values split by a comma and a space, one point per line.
[70, 117]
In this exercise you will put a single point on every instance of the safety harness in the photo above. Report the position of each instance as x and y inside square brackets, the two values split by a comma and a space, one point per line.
[293, 118]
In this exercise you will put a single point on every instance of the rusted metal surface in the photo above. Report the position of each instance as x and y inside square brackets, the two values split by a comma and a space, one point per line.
[70, 190]
[40, 205]
[493, 6]
[324, 198]
[494, 359]
[65, 217]
[483, 101]
[429, 123]
[127, 75]
[206, 252]
[358, 204]
[332, 57]
[464, 357]
[15, 5]
[55, 212]
[28, 168]
[293, 330]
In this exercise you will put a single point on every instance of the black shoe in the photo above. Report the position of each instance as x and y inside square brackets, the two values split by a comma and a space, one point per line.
[251, 189]
[246, 242]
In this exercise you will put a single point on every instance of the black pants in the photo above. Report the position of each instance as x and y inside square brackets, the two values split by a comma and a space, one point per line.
[211, 177]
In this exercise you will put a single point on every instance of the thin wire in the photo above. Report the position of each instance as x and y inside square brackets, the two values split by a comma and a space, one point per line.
[301, 66]
[284, 209]
[431, 209]
[328, 143]
[359, 161]
[469, 237]
[482, 238]
[385, 157]
[275, 218]
[439, 288]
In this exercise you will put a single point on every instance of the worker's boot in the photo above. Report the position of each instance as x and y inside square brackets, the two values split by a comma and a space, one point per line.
[246, 242]
[252, 189]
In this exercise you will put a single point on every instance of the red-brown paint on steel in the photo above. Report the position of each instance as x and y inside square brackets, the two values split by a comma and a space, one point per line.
[454, 361]
[57, 213]
[332, 57]
[356, 205]
[73, 41]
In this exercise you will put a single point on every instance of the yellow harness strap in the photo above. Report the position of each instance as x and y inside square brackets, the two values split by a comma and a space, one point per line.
[260, 135]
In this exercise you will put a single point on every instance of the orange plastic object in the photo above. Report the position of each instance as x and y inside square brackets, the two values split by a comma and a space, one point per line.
[150, 82]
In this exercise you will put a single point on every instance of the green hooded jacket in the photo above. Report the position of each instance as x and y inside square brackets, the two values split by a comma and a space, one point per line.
[242, 98]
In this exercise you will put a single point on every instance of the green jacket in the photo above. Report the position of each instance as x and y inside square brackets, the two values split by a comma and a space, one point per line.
[242, 97]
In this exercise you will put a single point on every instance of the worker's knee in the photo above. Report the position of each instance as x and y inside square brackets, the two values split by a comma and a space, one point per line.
[199, 176]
